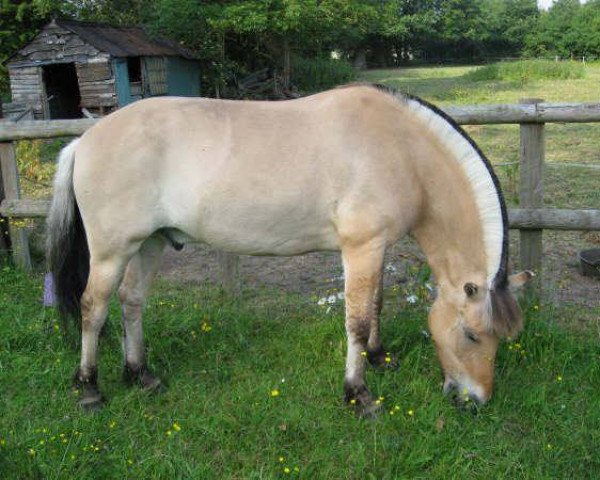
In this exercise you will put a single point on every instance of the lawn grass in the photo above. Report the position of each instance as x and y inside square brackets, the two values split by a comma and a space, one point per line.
[218, 418]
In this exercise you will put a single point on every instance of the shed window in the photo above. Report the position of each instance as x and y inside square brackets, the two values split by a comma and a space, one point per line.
[134, 69]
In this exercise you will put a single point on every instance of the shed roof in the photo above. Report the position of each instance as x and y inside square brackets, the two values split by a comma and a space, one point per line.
[124, 41]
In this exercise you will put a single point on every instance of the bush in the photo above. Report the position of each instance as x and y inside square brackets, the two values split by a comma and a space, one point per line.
[315, 74]
[526, 70]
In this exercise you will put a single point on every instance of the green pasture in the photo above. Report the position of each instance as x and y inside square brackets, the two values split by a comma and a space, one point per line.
[254, 391]
[255, 383]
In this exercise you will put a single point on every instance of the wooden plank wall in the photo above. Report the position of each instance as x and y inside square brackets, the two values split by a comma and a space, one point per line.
[97, 83]
[27, 87]
[57, 45]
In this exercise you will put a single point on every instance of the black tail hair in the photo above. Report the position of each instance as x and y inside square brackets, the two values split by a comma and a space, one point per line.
[67, 250]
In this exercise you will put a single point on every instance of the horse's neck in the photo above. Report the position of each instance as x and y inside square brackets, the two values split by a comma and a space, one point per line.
[449, 230]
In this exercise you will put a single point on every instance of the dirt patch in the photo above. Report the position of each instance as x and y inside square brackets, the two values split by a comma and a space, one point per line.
[321, 273]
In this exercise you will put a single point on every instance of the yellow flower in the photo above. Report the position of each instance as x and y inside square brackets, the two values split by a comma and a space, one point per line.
[388, 359]
[353, 401]
[169, 433]
[176, 427]
[296, 469]
[2, 442]
[396, 407]
[112, 424]
[286, 470]
[549, 446]
[411, 413]
[392, 412]
[72, 457]
[559, 378]
[130, 461]
[205, 327]
[274, 393]
[31, 452]
[281, 459]
[363, 354]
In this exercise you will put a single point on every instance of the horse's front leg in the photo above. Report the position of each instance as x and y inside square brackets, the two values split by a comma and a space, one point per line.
[132, 294]
[363, 270]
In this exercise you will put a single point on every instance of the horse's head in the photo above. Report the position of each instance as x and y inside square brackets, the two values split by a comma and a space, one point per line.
[466, 324]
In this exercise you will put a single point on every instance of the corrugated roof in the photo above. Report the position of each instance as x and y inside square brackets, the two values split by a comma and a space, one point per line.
[124, 41]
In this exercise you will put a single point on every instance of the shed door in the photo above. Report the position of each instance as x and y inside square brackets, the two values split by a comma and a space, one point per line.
[154, 71]
[62, 91]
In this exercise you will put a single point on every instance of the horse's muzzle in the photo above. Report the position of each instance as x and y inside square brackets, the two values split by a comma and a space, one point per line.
[463, 395]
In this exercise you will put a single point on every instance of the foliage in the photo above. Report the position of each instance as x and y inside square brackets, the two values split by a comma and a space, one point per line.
[568, 29]
[312, 75]
[527, 70]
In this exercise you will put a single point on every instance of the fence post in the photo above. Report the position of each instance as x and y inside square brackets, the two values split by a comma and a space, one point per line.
[229, 272]
[531, 190]
[10, 180]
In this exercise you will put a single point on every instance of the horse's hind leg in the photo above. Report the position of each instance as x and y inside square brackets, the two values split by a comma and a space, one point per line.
[363, 269]
[105, 275]
[132, 294]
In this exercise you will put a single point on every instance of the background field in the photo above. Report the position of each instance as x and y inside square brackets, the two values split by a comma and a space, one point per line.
[223, 359]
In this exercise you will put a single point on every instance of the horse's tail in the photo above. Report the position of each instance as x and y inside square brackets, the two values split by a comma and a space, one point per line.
[66, 243]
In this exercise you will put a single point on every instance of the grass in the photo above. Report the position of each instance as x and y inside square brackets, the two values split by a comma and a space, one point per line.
[528, 70]
[219, 418]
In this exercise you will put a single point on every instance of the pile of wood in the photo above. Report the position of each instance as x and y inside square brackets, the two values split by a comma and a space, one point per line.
[263, 84]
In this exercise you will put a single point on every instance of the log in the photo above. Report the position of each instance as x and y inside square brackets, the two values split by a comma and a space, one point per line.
[525, 113]
[519, 218]
[44, 129]
[24, 208]
[10, 179]
[554, 219]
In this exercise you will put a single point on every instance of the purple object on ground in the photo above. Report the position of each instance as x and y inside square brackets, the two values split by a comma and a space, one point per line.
[49, 297]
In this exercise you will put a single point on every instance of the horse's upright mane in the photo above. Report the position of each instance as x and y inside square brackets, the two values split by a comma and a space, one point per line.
[486, 187]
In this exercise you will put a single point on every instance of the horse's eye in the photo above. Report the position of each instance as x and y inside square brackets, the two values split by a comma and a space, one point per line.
[471, 336]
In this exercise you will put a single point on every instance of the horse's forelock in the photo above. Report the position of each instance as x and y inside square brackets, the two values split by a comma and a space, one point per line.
[504, 315]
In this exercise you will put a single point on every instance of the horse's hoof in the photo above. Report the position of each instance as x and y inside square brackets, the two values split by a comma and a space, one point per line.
[151, 384]
[91, 402]
[143, 377]
[362, 402]
[370, 411]
[382, 360]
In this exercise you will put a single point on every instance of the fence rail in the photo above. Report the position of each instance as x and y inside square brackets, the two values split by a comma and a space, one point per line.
[531, 219]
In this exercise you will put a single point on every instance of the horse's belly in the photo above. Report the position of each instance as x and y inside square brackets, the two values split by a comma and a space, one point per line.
[255, 229]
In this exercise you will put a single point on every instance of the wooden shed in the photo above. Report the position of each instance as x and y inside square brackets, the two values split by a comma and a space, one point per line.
[70, 66]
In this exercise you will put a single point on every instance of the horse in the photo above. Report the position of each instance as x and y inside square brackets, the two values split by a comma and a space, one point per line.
[352, 169]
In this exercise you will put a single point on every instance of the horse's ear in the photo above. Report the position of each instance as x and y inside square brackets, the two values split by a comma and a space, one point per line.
[517, 280]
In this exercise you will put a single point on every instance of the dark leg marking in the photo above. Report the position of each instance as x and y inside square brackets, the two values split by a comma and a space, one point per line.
[87, 386]
[359, 397]
[379, 358]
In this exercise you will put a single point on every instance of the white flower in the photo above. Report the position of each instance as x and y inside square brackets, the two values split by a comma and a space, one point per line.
[412, 299]
[390, 268]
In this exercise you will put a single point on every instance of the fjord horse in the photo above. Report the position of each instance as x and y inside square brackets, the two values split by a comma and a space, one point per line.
[352, 169]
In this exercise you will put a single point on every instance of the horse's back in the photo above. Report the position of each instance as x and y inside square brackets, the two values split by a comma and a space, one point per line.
[289, 175]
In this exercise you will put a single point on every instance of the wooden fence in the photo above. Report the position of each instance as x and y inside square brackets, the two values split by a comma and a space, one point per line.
[530, 219]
